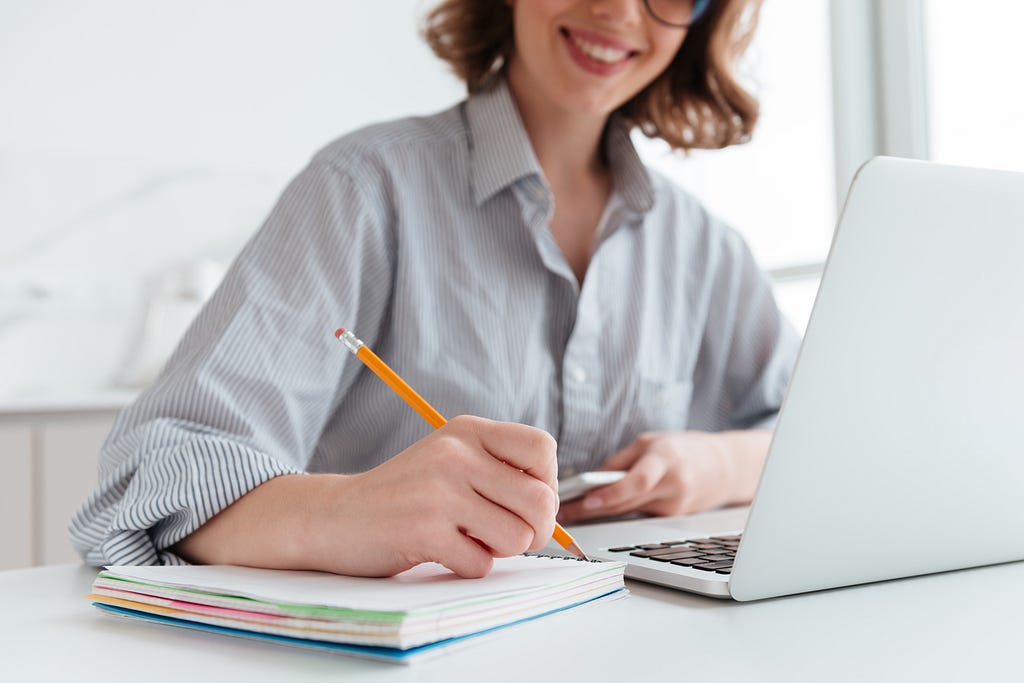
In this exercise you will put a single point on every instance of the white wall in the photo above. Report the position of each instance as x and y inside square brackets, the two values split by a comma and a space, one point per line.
[257, 84]
[976, 104]
[140, 140]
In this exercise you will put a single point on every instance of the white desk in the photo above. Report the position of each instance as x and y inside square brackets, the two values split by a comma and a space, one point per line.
[960, 626]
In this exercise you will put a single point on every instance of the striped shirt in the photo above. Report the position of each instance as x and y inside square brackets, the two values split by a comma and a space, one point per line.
[429, 238]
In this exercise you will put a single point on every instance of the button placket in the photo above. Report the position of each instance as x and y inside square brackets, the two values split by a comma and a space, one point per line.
[581, 377]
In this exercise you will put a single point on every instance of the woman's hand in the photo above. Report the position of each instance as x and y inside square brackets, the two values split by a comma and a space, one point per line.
[471, 491]
[677, 473]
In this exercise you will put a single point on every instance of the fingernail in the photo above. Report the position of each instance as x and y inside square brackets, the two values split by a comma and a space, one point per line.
[592, 503]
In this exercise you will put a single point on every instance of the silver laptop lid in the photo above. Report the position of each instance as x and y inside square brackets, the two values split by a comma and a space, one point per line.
[900, 449]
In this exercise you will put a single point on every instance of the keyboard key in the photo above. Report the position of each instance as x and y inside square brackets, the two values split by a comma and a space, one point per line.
[709, 553]
[678, 555]
[689, 561]
[655, 551]
[713, 566]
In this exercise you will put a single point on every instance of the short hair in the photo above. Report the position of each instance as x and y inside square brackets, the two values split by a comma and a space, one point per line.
[697, 103]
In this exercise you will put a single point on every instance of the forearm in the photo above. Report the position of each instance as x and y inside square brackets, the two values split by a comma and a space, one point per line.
[275, 525]
[745, 452]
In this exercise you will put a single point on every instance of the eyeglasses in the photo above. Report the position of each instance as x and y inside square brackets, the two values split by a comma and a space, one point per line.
[677, 13]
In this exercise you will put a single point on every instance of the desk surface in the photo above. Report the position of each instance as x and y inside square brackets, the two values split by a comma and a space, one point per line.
[963, 625]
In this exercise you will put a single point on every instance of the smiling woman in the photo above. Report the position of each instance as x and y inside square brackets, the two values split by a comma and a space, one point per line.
[696, 103]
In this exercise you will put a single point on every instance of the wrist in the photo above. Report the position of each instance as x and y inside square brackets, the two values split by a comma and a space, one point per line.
[317, 523]
[281, 524]
[744, 452]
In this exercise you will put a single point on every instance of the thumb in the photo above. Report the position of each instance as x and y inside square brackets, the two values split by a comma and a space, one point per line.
[625, 458]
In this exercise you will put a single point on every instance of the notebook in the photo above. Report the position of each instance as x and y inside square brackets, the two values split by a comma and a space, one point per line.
[898, 448]
[420, 612]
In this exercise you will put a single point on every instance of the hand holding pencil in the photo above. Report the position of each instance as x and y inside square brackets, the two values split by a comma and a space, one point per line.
[512, 459]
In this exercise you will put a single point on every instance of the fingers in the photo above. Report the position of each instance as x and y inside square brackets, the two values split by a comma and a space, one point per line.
[464, 556]
[516, 493]
[625, 458]
[518, 474]
[593, 504]
[502, 531]
[472, 532]
[523, 447]
[638, 484]
[489, 481]
[631, 493]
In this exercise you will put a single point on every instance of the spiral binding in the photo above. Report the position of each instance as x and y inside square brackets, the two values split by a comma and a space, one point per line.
[561, 557]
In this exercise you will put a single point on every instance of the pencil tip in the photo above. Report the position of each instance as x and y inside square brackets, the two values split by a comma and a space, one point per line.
[340, 331]
[577, 551]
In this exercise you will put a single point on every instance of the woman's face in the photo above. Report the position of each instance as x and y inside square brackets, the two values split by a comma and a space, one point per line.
[588, 56]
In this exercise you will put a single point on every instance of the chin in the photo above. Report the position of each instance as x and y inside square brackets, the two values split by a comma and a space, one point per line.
[591, 103]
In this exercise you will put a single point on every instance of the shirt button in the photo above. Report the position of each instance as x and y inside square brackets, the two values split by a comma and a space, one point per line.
[578, 374]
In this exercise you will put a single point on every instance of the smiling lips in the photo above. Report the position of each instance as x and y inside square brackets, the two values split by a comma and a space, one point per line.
[596, 57]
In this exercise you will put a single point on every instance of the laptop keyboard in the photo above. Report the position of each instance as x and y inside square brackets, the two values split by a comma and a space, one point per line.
[712, 554]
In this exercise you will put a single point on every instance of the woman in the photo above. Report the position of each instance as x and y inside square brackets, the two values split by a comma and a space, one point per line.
[512, 259]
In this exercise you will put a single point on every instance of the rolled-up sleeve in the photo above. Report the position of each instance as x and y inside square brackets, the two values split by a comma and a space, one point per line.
[748, 348]
[246, 395]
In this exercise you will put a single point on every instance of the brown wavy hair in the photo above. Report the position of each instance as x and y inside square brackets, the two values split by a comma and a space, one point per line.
[697, 103]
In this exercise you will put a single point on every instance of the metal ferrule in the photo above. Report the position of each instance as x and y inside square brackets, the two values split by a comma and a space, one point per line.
[353, 342]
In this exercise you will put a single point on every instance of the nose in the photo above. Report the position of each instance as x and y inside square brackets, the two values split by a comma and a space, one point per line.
[618, 11]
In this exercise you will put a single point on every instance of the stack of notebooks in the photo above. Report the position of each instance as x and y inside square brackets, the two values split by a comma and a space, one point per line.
[425, 610]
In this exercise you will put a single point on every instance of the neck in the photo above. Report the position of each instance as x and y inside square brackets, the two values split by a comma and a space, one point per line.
[567, 144]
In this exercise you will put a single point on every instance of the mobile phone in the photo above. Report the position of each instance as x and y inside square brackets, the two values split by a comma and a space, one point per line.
[575, 486]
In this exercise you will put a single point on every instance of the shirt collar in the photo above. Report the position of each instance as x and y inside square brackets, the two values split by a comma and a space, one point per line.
[501, 153]
[630, 177]
[499, 149]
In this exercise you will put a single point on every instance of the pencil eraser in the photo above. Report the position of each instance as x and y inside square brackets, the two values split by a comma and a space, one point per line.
[341, 331]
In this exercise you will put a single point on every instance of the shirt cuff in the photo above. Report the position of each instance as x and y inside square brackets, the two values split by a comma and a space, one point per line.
[173, 494]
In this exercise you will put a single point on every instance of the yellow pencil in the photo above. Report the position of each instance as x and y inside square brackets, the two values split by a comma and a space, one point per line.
[426, 411]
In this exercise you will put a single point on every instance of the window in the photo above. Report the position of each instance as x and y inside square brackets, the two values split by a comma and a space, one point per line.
[975, 102]
[779, 189]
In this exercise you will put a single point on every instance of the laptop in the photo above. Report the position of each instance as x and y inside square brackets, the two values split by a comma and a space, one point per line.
[899, 450]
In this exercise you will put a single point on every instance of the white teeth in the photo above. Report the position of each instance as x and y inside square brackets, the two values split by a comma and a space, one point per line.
[601, 53]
